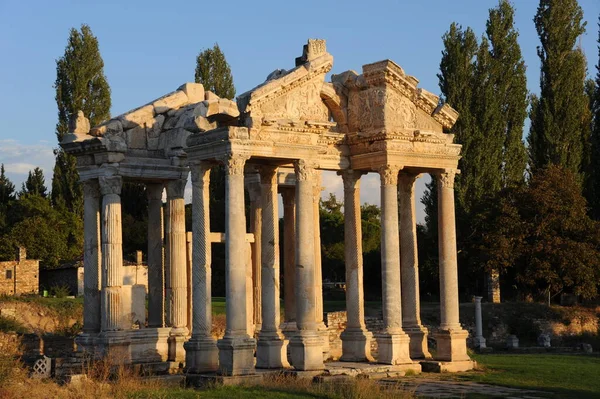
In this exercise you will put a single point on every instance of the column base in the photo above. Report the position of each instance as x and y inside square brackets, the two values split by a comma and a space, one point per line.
[479, 342]
[451, 345]
[307, 351]
[434, 366]
[149, 345]
[115, 346]
[324, 333]
[201, 355]
[177, 337]
[271, 351]
[289, 329]
[87, 343]
[393, 348]
[356, 345]
[236, 355]
[418, 342]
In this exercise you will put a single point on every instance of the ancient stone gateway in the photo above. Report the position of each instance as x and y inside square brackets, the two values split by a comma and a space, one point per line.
[277, 138]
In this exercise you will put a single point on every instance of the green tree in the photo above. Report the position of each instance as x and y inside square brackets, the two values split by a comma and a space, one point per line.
[35, 183]
[559, 115]
[212, 70]
[80, 85]
[593, 186]
[509, 90]
[7, 188]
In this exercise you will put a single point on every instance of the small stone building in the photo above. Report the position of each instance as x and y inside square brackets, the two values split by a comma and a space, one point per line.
[20, 276]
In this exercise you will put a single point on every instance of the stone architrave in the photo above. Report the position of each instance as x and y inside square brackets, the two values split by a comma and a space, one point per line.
[271, 351]
[156, 300]
[392, 342]
[91, 257]
[288, 195]
[178, 268]
[236, 348]
[356, 340]
[201, 350]
[451, 338]
[306, 345]
[112, 254]
[409, 266]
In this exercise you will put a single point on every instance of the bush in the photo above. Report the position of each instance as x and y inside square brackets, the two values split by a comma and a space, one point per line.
[60, 291]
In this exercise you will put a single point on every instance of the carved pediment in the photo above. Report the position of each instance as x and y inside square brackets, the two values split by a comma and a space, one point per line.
[294, 95]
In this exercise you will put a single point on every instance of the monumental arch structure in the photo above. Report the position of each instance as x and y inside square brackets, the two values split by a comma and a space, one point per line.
[275, 139]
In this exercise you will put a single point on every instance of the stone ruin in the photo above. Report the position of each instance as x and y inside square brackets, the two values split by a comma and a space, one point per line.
[277, 138]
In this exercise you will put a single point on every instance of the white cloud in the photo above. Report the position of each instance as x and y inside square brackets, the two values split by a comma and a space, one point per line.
[19, 158]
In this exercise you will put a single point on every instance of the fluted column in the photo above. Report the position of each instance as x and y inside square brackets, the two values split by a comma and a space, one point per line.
[112, 254]
[451, 338]
[317, 188]
[236, 349]
[178, 267]
[356, 340]
[201, 349]
[393, 343]
[254, 192]
[409, 266]
[271, 351]
[91, 257]
[288, 195]
[156, 300]
[306, 345]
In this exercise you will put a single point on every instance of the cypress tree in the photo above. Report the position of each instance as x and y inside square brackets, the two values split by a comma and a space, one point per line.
[7, 188]
[35, 183]
[80, 85]
[509, 82]
[212, 70]
[559, 116]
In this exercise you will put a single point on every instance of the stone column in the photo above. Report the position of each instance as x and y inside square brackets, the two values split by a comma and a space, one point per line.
[306, 345]
[178, 268]
[112, 254]
[479, 340]
[451, 338]
[201, 353]
[356, 340]
[271, 351]
[288, 195]
[156, 300]
[392, 342]
[91, 257]
[409, 266]
[317, 188]
[256, 229]
[167, 263]
[236, 349]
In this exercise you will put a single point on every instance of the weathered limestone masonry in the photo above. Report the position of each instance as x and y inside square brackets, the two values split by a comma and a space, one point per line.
[21, 276]
[276, 139]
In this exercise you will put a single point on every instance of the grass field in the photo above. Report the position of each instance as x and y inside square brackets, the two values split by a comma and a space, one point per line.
[568, 376]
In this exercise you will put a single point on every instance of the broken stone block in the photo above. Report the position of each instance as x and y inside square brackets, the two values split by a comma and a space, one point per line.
[78, 123]
[137, 117]
[113, 126]
[194, 92]
[174, 100]
[544, 340]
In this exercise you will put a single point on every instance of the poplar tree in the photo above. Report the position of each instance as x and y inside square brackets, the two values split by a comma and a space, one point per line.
[212, 70]
[593, 192]
[80, 85]
[507, 74]
[559, 115]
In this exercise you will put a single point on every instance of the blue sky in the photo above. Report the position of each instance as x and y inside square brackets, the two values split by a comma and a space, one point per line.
[149, 48]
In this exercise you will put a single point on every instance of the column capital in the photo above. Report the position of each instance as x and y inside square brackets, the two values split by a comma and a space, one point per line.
[446, 178]
[176, 188]
[406, 182]
[389, 174]
[110, 184]
[351, 178]
[305, 170]
[91, 188]
[200, 173]
[234, 163]
[154, 191]
[268, 174]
